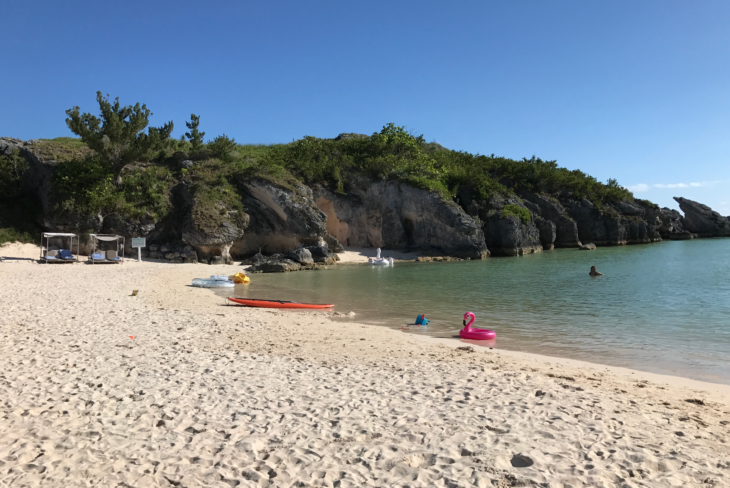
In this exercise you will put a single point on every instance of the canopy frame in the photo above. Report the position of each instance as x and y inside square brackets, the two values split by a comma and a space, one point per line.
[95, 238]
[50, 235]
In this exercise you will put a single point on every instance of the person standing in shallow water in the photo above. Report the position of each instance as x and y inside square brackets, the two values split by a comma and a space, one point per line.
[594, 272]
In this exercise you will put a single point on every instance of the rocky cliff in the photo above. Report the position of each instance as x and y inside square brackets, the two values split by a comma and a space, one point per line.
[301, 225]
[565, 233]
[529, 223]
[282, 217]
[613, 224]
[393, 215]
[36, 180]
[509, 227]
[702, 220]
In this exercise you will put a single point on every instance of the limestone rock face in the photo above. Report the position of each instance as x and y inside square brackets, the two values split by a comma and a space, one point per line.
[508, 235]
[393, 215]
[281, 219]
[36, 180]
[579, 220]
[211, 236]
[702, 220]
[671, 222]
[549, 208]
[548, 232]
[609, 226]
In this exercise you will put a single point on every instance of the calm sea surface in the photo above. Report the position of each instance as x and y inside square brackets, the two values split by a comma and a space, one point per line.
[661, 307]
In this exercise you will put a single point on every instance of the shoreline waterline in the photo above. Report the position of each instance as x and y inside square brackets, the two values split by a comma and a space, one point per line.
[660, 308]
[396, 323]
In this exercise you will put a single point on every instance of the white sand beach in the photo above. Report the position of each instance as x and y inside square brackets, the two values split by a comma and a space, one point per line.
[173, 388]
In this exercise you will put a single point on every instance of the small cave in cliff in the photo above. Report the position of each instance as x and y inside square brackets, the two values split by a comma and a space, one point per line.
[409, 228]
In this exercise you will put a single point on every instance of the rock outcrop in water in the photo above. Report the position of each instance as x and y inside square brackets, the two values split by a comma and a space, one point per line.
[702, 220]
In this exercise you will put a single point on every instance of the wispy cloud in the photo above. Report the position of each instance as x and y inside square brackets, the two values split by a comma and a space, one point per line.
[695, 184]
[638, 188]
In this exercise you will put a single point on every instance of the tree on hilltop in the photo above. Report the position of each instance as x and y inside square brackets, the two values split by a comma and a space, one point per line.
[118, 134]
[195, 136]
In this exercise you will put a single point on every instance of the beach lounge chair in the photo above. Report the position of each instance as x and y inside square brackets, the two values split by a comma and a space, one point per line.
[98, 258]
[65, 255]
[112, 257]
[51, 256]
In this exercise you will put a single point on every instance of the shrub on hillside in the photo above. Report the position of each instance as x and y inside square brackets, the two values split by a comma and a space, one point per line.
[222, 147]
[87, 187]
[512, 210]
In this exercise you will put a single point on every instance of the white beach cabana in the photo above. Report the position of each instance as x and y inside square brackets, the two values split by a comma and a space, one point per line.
[58, 254]
[110, 255]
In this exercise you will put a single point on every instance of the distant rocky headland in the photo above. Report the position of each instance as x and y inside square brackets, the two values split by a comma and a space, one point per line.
[293, 206]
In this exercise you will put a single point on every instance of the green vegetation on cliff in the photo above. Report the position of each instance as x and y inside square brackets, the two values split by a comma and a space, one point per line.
[515, 211]
[87, 187]
[395, 154]
[116, 167]
[61, 149]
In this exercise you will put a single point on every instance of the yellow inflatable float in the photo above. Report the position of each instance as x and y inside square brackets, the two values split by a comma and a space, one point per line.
[240, 278]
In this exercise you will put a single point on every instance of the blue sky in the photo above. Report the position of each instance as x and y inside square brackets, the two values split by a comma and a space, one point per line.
[637, 91]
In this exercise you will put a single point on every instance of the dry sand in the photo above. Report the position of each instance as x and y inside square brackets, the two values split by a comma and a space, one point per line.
[210, 395]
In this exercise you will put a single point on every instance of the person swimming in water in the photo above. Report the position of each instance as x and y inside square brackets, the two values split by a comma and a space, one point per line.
[594, 272]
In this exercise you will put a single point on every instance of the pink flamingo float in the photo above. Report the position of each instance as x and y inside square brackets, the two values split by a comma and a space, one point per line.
[475, 334]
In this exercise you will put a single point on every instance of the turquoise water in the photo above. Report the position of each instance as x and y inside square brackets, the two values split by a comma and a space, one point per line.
[661, 307]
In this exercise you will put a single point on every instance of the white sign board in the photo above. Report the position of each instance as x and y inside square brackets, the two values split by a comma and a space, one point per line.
[139, 243]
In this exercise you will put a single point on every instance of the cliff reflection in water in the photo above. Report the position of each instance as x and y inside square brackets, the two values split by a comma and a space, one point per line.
[663, 308]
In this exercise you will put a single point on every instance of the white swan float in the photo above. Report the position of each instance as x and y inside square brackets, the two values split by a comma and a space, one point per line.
[378, 261]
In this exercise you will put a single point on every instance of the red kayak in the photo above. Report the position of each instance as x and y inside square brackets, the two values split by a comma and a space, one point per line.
[253, 302]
